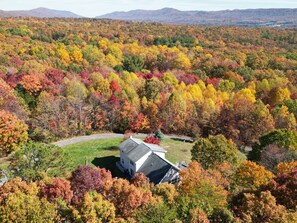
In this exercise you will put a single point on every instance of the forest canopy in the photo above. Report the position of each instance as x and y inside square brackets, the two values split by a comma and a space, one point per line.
[66, 77]
[230, 89]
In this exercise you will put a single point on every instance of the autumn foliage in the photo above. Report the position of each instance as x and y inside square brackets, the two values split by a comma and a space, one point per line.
[229, 88]
[251, 176]
[203, 187]
[69, 78]
[87, 178]
[261, 207]
[19, 201]
[91, 194]
[152, 140]
[59, 188]
[283, 188]
[13, 132]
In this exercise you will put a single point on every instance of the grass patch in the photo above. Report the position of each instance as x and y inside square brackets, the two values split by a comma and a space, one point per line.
[105, 153]
[95, 152]
[177, 150]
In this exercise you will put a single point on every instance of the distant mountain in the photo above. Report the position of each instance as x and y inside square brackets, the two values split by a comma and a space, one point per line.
[246, 17]
[39, 12]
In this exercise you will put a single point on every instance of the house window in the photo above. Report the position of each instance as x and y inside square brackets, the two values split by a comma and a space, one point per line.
[131, 172]
[131, 163]
[123, 161]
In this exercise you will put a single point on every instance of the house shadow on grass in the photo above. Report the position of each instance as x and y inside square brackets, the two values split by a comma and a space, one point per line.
[109, 163]
[112, 148]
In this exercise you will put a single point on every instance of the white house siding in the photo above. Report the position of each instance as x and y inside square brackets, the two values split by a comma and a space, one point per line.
[140, 162]
[126, 160]
[139, 152]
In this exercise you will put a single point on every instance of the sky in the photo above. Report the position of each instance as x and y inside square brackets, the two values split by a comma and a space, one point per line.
[92, 8]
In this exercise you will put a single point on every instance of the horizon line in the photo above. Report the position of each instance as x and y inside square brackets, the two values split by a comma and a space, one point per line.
[227, 9]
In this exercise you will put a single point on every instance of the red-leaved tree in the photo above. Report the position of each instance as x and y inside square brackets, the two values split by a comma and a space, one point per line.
[151, 140]
[58, 188]
[87, 178]
[283, 188]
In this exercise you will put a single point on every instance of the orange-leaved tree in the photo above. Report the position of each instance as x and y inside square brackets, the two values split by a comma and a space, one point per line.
[203, 188]
[13, 132]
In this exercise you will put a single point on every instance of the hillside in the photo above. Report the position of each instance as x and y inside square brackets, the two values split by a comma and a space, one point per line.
[248, 17]
[40, 13]
[232, 89]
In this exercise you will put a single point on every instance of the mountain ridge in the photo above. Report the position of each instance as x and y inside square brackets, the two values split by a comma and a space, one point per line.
[40, 12]
[283, 17]
[273, 17]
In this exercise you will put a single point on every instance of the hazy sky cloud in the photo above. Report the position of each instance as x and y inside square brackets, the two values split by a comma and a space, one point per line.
[91, 8]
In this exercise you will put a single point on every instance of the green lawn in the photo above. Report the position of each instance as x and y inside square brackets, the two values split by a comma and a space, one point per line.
[177, 150]
[104, 153]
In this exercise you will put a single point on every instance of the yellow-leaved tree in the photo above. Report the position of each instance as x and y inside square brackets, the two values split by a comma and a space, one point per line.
[250, 175]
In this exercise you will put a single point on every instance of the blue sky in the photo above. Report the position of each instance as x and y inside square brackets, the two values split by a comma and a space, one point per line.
[91, 8]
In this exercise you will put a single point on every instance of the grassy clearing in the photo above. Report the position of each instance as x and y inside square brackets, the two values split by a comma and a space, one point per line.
[177, 150]
[104, 153]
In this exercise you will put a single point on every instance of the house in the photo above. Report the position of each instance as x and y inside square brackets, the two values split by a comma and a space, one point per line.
[138, 156]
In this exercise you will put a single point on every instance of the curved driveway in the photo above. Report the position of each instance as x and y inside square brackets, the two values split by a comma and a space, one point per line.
[78, 139]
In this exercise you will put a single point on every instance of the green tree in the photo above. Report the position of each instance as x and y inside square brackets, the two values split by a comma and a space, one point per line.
[157, 213]
[92, 54]
[282, 138]
[159, 134]
[215, 150]
[222, 215]
[34, 160]
[133, 63]
[226, 86]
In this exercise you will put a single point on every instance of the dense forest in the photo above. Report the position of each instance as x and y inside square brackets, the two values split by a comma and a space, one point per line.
[229, 88]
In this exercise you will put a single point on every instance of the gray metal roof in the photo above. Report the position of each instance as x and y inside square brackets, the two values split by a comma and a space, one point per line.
[138, 141]
[128, 145]
[155, 168]
[155, 148]
[138, 152]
